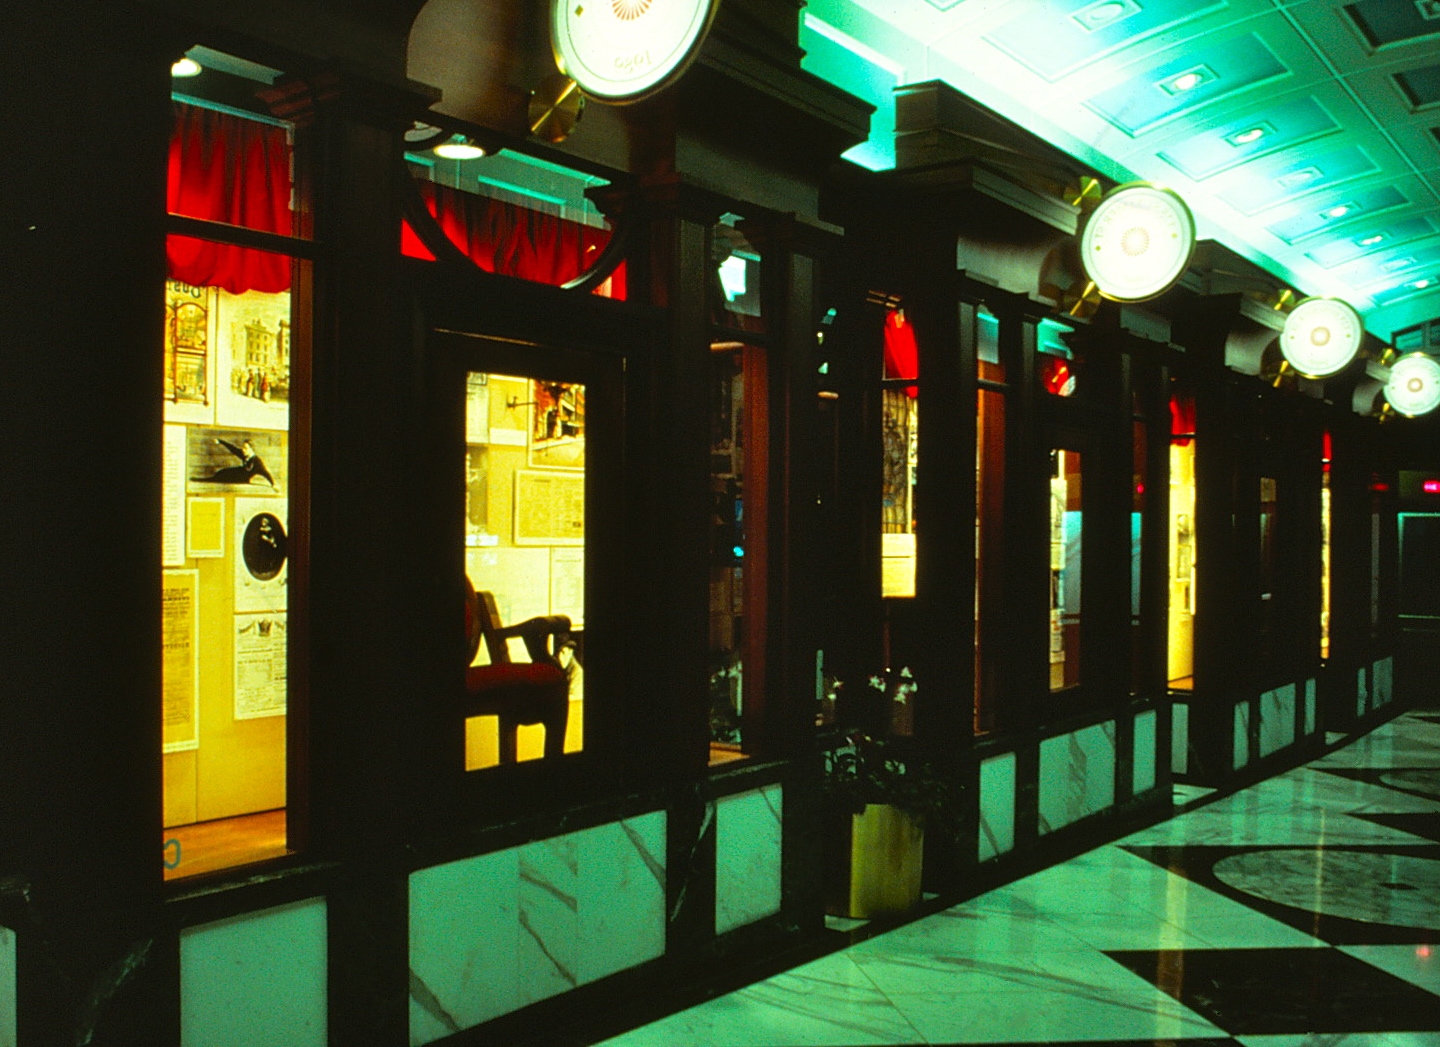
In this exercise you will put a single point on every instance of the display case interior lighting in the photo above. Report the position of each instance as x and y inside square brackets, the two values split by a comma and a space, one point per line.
[459, 147]
[185, 67]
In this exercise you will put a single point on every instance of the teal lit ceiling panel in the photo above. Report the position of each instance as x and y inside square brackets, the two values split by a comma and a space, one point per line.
[1321, 214]
[1346, 249]
[1272, 184]
[1157, 94]
[1204, 154]
[1391, 21]
[1057, 39]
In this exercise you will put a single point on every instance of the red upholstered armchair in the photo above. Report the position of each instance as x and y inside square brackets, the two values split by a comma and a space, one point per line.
[537, 691]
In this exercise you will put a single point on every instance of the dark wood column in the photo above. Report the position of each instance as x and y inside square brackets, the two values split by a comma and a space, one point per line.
[80, 760]
[370, 610]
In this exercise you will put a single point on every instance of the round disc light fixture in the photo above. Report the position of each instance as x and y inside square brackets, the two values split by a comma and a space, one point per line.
[1414, 385]
[621, 50]
[1321, 336]
[1137, 242]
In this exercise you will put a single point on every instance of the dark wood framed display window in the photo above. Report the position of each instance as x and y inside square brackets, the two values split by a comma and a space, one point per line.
[235, 489]
[531, 438]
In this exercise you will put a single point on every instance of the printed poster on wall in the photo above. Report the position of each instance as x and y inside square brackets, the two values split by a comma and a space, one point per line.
[189, 341]
[253, 383]
[549, 508]
[261, 554]
[180, 664]
[172, 520]
[259, 665]
[237, 461]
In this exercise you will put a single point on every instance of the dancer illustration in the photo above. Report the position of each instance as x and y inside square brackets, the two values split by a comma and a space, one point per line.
[250, 466]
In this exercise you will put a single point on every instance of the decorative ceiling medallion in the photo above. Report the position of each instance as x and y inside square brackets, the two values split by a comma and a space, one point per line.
[1321, 336]
[1414, 385]
[1137, 242]
[622, 50]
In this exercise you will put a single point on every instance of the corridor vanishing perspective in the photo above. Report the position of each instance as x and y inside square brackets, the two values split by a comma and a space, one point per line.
[1304, 910]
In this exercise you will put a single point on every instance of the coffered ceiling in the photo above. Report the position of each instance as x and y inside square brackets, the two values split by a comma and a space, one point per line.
[1304, 135]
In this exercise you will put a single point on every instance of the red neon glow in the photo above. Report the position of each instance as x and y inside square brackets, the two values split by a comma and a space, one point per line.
[1431, 486]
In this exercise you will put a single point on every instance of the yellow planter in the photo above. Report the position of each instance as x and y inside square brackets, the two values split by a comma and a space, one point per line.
[887, 850]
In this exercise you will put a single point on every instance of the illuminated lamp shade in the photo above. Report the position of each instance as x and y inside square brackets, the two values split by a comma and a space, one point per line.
[186, 67]
[623, 50]
[460, 148]
[1137, 242]
[1414, 385]
[1321, 336]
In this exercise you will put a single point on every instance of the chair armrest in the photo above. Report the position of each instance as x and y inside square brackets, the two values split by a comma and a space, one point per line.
[535, 631]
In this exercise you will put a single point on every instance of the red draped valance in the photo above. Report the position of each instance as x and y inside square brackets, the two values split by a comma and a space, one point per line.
[902, 352]
[225, 168]
[505, 238]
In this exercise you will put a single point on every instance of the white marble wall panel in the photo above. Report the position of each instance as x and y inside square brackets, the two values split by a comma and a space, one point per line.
[7, 988]
[491, 934]
[1309, 707]
[1384, 679]
[1362, 691]
[1277, 719]
[1241, 754]
[1142, 775]
[997, 806]
[1077, 775]
[1179, 738]
[257, 980]
[747, 857]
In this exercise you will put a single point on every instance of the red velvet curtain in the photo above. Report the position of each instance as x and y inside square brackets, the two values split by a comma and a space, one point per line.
[511, 240]
[224, 168]
[1182, 419]
[902, 352]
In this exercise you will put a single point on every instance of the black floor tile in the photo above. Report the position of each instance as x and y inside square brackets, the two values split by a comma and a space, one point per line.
[1198, 862]
[1274, 991]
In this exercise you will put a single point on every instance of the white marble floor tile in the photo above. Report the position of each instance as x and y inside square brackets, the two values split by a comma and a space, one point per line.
[1067, 973]
[1417, 964]
[1048, 1016]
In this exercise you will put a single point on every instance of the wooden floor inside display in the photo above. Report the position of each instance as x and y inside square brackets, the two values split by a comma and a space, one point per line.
[1184, 683]
[224, 843]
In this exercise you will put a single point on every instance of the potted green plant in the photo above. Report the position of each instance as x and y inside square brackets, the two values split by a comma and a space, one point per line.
[881, 794]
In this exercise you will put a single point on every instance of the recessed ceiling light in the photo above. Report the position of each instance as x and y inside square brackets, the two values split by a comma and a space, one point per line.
[1420, 285]
[1338, 211]
[1105, 13]
[1245, 137]
[1305, 175]
[1371, 241]
[1187, 81]
[459, 148]
[1396, 264]
[186, 67]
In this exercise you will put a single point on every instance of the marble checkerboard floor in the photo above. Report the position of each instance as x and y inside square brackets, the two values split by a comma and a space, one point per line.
[1304, 910]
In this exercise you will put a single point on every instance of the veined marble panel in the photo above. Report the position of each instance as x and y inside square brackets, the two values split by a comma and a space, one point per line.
[464, 937]
[1179, 737]
[1077, 775]
[257, 980]
[7, 987]
[997, 806]
[493, 933]
[1277, 719]
[1362, 691]
[1309, 707]
[1384, 677]
[747, 857]
[1142, 776]
[1242, 735]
